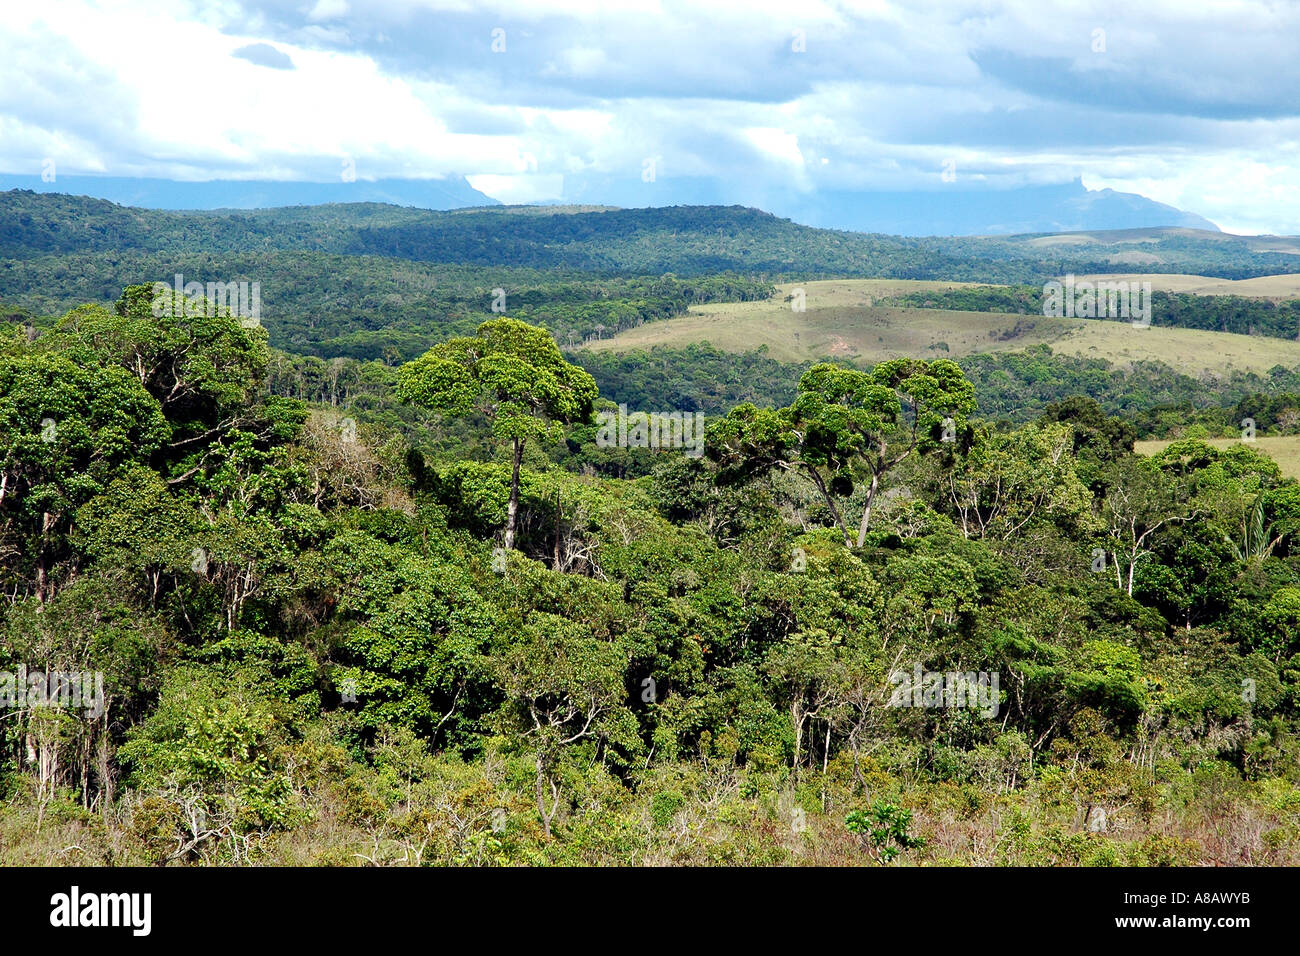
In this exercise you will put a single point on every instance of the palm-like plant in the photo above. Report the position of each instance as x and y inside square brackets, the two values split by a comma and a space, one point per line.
[1257, 539]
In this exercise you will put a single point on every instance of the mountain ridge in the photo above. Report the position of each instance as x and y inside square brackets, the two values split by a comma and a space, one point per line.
[957, 210]
[238, 194]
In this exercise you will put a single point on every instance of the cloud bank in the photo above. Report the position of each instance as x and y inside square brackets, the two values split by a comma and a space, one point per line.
[543, 100]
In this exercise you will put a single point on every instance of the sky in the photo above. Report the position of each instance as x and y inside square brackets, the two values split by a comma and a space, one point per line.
[1194, 103]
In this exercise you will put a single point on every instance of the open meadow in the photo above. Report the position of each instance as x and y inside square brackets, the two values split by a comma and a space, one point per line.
[842, 321]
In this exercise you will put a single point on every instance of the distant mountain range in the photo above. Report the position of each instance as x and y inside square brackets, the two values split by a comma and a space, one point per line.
[951, 210]
[954, 210]
[450, 193]
[1069, 207]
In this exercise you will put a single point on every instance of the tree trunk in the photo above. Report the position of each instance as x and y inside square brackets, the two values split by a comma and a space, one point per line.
[797, 718]
[544, 777]
[830, 503]
[866, 514]
[512, 509]
[555, 559]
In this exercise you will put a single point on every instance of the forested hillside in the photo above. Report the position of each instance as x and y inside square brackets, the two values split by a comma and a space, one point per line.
[362, 278]
[443, 611]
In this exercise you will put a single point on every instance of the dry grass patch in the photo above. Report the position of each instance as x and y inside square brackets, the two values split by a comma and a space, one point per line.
[1283, 449]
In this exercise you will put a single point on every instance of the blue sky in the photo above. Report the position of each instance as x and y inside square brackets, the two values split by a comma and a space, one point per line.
[1192, 103]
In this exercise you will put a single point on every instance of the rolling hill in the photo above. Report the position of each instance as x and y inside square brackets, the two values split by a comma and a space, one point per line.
[1282, 286]
[843, 322]
[361, 279]
[683, 240]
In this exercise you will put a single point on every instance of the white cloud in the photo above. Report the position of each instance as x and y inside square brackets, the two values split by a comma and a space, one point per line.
[1239, 193]
[779, 144]
[1201, 114]
[328, 10]
[519, 189]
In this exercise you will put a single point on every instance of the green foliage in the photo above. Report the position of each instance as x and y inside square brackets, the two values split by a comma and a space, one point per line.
[312, 650]
[847, 426]
[884, 831]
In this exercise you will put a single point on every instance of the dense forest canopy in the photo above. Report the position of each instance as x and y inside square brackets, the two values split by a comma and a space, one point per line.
[412, 610]
[364, 578]
[685, 240]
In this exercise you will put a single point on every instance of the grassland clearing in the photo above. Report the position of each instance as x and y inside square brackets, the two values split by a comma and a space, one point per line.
[1283, 449]
[841, 321]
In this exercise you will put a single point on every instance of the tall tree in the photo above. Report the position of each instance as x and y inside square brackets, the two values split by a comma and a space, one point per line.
[65, 429]
[514, 374]
[847, 426]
